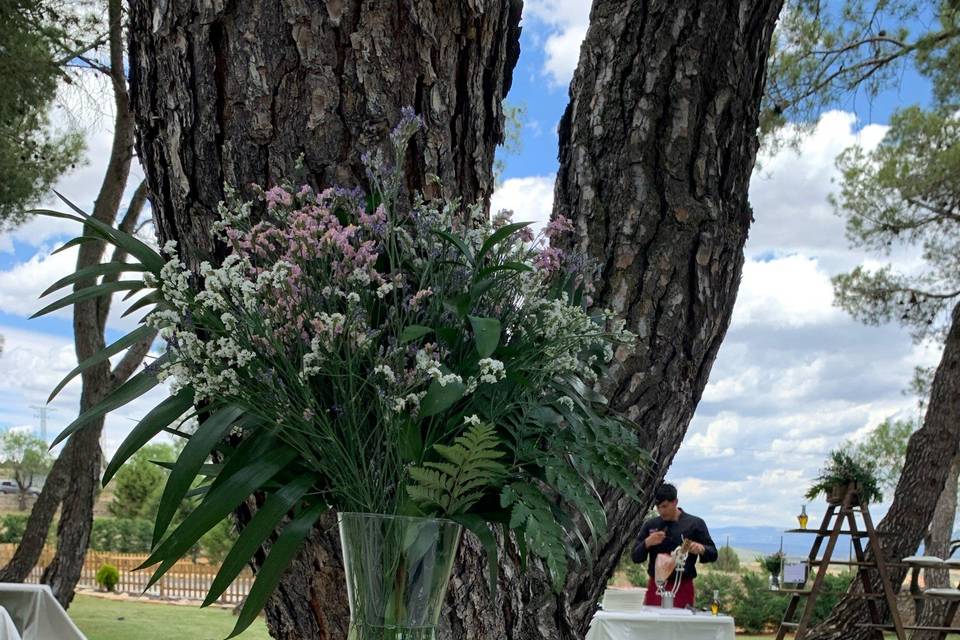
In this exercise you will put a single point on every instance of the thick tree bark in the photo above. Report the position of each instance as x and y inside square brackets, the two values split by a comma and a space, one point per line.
[930, 454]
[657, 148]
[937, 543]
[236, 92]
[656, 151]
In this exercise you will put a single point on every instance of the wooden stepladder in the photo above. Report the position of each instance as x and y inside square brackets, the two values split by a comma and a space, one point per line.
[830, 530]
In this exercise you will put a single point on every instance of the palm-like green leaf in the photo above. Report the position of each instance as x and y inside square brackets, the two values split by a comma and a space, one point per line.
[260, 527]
[194, 454]
[90, 293]
[104, 354]
[163, 415]
[129, 390]
[97, 270]
[218, 504]
[281, 554]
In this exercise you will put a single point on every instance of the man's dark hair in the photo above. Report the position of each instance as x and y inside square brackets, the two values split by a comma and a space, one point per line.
[665, 492]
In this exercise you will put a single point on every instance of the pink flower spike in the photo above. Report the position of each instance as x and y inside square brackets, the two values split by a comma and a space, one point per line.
[558, 226]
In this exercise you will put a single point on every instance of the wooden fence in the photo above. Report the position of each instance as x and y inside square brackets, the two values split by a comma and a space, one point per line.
[186, 580]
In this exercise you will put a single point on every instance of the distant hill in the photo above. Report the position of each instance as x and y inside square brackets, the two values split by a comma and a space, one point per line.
[748, 542]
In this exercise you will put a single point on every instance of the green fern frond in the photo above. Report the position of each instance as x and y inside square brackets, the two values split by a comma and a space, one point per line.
[455, 485]
[532, 516]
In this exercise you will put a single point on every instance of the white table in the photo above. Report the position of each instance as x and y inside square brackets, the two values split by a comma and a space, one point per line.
[8, 630]
[652, 623]
[36, 614]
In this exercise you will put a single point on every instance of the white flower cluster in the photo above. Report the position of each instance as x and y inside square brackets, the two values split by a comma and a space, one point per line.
[491, 371]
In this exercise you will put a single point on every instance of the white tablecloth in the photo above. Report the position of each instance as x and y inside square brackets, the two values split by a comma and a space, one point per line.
[36, 613]
[654, 624]
[8, 630]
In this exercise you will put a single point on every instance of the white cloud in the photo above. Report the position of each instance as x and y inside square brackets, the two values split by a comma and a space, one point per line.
[792, 290]
[530, 199]
[31, 366]
[566, 22]
[22, 284]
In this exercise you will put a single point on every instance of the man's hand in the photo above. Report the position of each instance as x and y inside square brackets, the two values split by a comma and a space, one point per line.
[696, 548]
[655, 538]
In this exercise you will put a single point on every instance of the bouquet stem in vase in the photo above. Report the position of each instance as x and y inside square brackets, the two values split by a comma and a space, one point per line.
[397, 570]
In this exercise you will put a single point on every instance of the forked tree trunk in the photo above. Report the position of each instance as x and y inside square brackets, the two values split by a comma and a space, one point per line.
[657, 148]
[937, 543]
[930, 453]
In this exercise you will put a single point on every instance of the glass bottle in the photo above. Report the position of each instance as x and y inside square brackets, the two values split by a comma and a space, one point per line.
[715, 604]
[802, 518]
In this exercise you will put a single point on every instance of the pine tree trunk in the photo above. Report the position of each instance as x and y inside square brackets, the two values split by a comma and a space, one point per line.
[236, 92]
[937, 543]
[657, 148]
[931, 451]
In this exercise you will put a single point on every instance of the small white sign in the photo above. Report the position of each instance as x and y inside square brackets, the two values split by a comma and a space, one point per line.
[795, 573]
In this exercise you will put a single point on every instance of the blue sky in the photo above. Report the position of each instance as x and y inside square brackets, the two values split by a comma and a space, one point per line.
[794, 377]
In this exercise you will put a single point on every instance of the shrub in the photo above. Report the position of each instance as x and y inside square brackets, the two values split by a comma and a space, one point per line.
[758, 608]
[121, 535]
[727, 560]
[12, 526]
[637, 573]
[729, 588]
[107, 577]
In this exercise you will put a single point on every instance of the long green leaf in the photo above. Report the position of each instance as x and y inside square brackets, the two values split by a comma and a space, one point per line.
[219, 502]
[194, 454]
[147, 256]
[440, 397]
[486, 333]
[414, 332]
[458, 243]
[91, 292]
[481, 529]
[151, 298]
[260, 527]
[153, 423]
[74, 242]
[129, 390]
[281, 554]
[251, 447]
[105, 268]
[499, 236]
[104, 354]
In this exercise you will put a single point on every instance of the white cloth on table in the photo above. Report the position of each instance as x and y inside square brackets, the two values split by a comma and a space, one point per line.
[36, 613]
[654, 623]
[8, 630]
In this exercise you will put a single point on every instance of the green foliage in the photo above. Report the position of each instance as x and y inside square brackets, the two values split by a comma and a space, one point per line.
[121, 535]
[772, 563]
[727, 584]
[904, 192]
[886, 446]
[38, 38]
[26, 455]
[636, 573]
[107, 577]
[470, 466]
[216, 543]
[844, 468]
[12, 527]
[757, 609]
[727, 560]
[138, 484]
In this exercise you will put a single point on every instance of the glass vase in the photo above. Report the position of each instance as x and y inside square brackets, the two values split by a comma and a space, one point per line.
[397, 570]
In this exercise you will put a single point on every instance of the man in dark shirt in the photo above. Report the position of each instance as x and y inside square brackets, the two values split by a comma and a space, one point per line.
[665, 533]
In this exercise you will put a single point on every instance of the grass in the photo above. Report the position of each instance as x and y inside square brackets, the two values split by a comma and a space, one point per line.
[103, 619]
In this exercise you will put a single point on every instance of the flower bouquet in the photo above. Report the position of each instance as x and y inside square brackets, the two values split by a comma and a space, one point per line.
[416, 369]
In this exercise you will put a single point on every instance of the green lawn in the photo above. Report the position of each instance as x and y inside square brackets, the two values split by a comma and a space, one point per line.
[102, 619]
